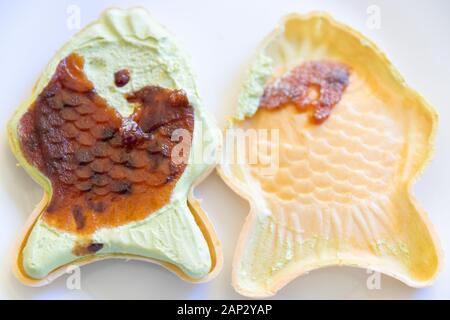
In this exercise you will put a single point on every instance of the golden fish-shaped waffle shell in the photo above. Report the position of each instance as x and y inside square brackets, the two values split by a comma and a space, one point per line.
[339, 193]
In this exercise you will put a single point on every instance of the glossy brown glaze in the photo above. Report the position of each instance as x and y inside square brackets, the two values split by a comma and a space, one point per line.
[316, 85]
[82, 249]
[121, 78]
[105, 170]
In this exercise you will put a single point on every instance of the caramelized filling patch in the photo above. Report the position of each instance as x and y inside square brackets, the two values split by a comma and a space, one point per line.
[316, 85]
[82, 249]
[105, 170]
[121, 78]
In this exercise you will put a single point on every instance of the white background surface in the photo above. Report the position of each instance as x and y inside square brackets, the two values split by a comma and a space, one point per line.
[220, 37]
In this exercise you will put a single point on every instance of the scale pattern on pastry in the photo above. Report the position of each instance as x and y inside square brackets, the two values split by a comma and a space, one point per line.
[334, 191]
[105, 170]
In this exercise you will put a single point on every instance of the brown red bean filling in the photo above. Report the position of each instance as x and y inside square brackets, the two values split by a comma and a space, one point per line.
[105, 170]
[316, 85]
[121, 78]
[82, 249]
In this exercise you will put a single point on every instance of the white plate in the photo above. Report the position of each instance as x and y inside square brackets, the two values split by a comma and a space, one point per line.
[220, 37]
